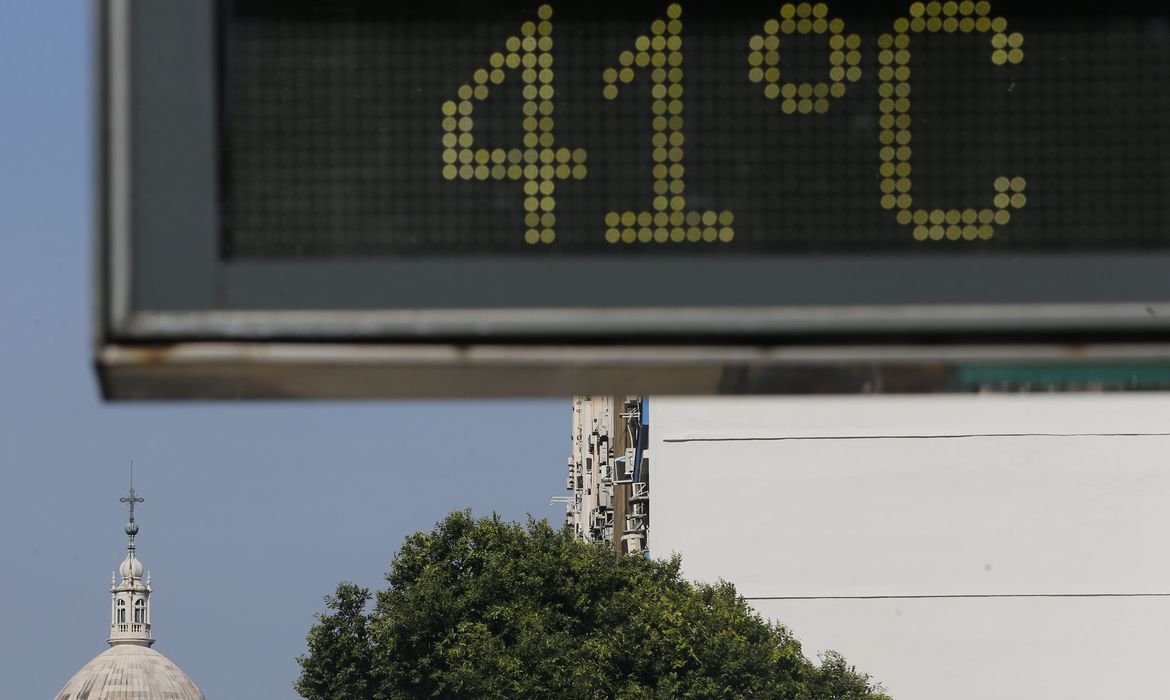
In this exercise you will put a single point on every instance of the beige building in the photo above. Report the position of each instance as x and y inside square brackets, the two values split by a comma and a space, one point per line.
[609, 472]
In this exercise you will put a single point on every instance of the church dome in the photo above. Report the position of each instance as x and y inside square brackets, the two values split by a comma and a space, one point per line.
[130, 670]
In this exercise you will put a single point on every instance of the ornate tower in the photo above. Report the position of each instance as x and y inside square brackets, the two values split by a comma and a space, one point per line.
[130, 611]
[130, 668]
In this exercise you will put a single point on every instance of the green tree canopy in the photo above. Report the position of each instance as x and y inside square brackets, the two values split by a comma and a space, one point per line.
[481, 608]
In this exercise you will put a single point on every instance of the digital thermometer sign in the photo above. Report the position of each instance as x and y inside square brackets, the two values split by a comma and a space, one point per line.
[364, 198]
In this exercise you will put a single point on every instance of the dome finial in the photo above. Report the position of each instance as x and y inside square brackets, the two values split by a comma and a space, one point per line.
[131, 611]
[131, 568]
[131, 499]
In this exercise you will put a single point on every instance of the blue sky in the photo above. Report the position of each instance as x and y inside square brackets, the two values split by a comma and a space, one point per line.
[253, 511]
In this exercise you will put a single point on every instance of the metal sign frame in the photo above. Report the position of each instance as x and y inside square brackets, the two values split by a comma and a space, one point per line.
[175, 322]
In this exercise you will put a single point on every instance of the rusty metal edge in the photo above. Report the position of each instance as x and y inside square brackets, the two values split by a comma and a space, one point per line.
[207, 370]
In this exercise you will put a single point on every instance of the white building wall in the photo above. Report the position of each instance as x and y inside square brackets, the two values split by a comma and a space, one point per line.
[953, 547]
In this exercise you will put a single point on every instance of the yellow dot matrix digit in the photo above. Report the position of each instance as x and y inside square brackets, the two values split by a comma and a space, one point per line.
[669, 220]
[539, 163]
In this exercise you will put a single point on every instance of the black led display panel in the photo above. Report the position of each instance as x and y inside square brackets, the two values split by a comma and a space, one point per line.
[362, 128]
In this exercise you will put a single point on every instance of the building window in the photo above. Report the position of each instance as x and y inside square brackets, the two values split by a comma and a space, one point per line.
[140, 611]
[121, 612]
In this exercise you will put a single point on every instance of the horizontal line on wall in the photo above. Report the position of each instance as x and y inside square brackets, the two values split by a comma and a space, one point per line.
[956, 436]
[949, 596]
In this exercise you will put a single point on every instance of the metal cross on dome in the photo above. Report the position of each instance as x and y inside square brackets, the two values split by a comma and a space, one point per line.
[132, 498]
